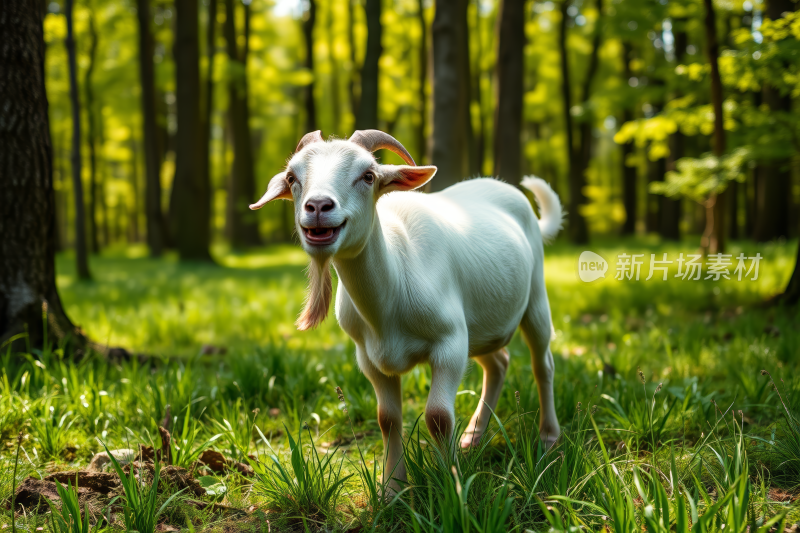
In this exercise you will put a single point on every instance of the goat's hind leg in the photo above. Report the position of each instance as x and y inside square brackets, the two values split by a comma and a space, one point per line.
[537, 329]
[494, 368]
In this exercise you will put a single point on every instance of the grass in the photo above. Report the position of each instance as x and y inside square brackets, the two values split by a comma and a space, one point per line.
[662, 454]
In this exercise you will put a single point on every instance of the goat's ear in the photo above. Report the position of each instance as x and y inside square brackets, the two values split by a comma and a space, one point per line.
[278, 189]
[404, 177]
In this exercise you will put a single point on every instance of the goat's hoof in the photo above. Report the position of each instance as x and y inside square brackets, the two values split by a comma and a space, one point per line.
[471, 439]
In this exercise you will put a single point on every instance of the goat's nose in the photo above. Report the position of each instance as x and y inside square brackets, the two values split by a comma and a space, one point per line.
[319, 204]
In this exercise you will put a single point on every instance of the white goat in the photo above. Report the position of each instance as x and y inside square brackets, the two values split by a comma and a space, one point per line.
[423, 278]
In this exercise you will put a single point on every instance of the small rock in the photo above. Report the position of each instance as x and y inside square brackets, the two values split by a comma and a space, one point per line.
[100, 460]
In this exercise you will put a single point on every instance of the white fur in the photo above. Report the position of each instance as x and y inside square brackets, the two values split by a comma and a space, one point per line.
[431, 278]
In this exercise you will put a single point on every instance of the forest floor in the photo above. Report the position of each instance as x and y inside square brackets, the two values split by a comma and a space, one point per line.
[706, 439]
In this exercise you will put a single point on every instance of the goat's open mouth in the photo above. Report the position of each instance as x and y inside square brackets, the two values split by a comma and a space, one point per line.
[322, 236]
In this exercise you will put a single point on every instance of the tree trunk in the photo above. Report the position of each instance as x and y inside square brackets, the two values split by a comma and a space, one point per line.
[309, 20]
[714, 236]
[449, 97]
[192, 191]
[509, 70]
[30, 309]
[671, 207]
[578, 230]
[368, 106]
[94, 246]
[208, 94]
[335, 95]
[82, 261]
[630, 199]
[156, 224]
[477, 94]
[773, 192]
[354, 74]
[422, 142]
[243, 223]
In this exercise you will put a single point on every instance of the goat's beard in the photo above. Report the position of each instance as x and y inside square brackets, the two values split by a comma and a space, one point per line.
[318, 295]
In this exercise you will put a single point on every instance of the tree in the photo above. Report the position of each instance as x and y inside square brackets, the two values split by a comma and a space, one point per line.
[94, 245]
[774, 177]
[208, 92]
[422, 138]
[30, 308]
[368, 102]
[714, 235]
[82, 262]
[309, 19]
[577, 230]
[510, 68]
[156, 226]
[450, 94]
[630, 198]
[243, 223]
[191, 195]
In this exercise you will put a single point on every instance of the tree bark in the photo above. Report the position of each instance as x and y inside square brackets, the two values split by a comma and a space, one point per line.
[630, 199]
[671, 207]
[243, 222]
[450, 138]
[30, 308]
[368, 105]
[94, 245]
[81, 259]
[577, 230]
[773, 192]
[509, 70]
[334, 79]
[422, 140]
[309, 19]
[208, 93]
[192, 190]
[354, 74]
[156, 224]
[477, 77]
[714, 237]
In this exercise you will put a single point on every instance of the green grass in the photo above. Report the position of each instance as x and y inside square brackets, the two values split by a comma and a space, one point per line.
[700, 345]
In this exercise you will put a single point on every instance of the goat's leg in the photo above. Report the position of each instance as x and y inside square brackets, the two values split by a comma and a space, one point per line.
[390, 419]
[440, 416]
[537, 329]
[494, 368]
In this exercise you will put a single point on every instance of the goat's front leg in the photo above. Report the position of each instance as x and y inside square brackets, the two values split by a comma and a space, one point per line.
[390, 419]
[446, 372]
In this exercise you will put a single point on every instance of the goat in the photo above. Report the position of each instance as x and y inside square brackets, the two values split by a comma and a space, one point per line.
[423, 278]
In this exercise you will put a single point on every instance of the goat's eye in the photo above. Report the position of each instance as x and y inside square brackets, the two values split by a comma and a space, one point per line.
[369, 178]
[290, 179]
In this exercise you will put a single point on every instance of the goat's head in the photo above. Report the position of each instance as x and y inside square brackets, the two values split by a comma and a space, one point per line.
[335, 186]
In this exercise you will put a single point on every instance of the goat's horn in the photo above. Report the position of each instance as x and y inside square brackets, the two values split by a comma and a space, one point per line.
[308, 138]
[375, 140]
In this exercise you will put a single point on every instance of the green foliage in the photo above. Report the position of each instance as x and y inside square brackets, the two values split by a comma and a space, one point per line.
[140, 508]
[309, 488]
[68, 518]
[701, 178]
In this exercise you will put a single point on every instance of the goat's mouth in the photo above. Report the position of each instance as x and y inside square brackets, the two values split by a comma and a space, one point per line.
[320, 236]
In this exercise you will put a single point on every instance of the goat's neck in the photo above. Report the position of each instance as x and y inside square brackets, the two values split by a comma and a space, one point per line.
[370, 277]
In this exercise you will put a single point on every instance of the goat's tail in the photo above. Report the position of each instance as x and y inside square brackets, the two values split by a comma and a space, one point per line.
[552, 216]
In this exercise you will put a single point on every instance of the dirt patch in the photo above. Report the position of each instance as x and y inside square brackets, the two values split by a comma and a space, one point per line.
[102, 482]
[34, 493]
